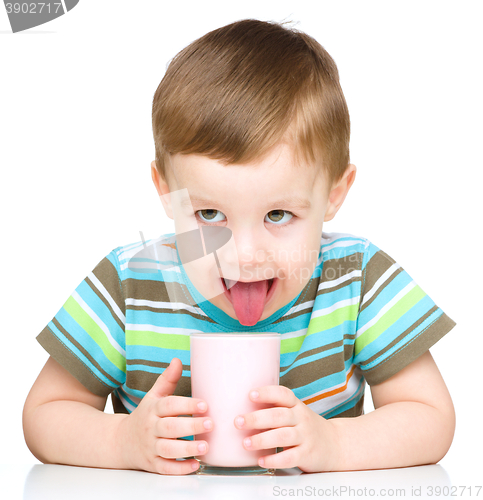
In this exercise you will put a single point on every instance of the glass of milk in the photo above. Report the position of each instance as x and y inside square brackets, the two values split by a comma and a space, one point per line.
[225, 368]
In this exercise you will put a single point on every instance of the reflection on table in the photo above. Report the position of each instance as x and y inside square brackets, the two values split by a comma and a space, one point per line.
[54, 482]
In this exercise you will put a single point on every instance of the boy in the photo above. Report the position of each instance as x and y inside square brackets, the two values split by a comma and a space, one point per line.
[251, 133]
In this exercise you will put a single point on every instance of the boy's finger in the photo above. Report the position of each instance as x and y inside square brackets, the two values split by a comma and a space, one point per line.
[167, 381]
[274, 438]
[173, 406]
[284, 460]
[274, 394]
[173, 467]
[180, 448]
[270, 418]
[177, 427]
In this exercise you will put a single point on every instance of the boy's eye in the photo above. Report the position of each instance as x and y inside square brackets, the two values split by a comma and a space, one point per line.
[210, 215]
[278, 216]
[275, 216]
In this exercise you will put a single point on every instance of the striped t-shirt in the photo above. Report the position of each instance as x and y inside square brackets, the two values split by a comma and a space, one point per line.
[360, 318]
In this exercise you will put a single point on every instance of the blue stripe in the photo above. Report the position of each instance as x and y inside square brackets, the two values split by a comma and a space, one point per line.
[404, 323]
[158, 354]
[125, 395]
[320, 384]
[86, 341]
[314, 357]
[385, 296]
[162, 271]
[98, 306]
[404, 342]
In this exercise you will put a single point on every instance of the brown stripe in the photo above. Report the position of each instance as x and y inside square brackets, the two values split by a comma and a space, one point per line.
[309, 292]
[153, 290]
[399, 338]
[106, 273]
[83, 350]
[355, 411]
[170, 311]
[348, 349]
[293, 315]
[381, 289]
[332, 270]
[144, 381]
[117, 405]
[336, 268]
[154, 364]
[315, 370]
[156, 291]
[71, 363]
[375, 268]
[106, 303]
[410, 352]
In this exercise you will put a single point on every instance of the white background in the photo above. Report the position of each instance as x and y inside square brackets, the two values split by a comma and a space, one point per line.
[76, 146]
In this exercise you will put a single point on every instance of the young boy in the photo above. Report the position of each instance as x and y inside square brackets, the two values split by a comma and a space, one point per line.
[251, 134]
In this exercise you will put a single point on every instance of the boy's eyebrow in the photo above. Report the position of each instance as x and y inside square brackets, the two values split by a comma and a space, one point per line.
[291, 202]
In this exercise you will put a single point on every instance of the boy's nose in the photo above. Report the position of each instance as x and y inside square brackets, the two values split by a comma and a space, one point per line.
[252, 257]
[250, 246]
[250, 251]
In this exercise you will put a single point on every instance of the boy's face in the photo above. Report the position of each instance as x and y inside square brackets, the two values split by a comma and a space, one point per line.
[275, 211]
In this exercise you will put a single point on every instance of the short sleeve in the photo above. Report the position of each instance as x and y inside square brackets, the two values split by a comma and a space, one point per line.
[87, 335]
[397, 321]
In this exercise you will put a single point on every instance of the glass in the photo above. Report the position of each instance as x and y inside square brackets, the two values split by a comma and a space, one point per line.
[225, 367]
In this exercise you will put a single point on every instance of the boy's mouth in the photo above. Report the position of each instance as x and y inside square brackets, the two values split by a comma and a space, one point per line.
[249, 298]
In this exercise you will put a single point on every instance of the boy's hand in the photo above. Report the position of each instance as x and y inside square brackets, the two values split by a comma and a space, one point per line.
[148, 435]
[309, 440]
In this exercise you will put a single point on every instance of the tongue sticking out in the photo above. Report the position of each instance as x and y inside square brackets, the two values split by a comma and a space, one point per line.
[248, 300]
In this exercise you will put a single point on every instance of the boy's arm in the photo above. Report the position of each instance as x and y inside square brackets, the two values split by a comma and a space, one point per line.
[64, 423]
[413, 422]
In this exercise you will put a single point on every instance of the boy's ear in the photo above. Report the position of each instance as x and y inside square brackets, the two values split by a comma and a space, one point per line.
[163, 190]
[339, 192]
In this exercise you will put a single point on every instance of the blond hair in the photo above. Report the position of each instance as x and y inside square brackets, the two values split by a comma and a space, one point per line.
[239, 90]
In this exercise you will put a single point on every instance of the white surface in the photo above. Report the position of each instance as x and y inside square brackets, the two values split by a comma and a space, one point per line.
[58, 482]
[76, 146]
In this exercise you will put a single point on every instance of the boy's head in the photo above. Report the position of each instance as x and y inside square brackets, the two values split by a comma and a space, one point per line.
[237, 91]
[249, 116]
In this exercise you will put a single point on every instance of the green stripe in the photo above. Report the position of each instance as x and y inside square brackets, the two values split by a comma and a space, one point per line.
[389, 318]
[154, 339]
[319, 324]
[291, 345]
[95, 332]
[333, 319]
